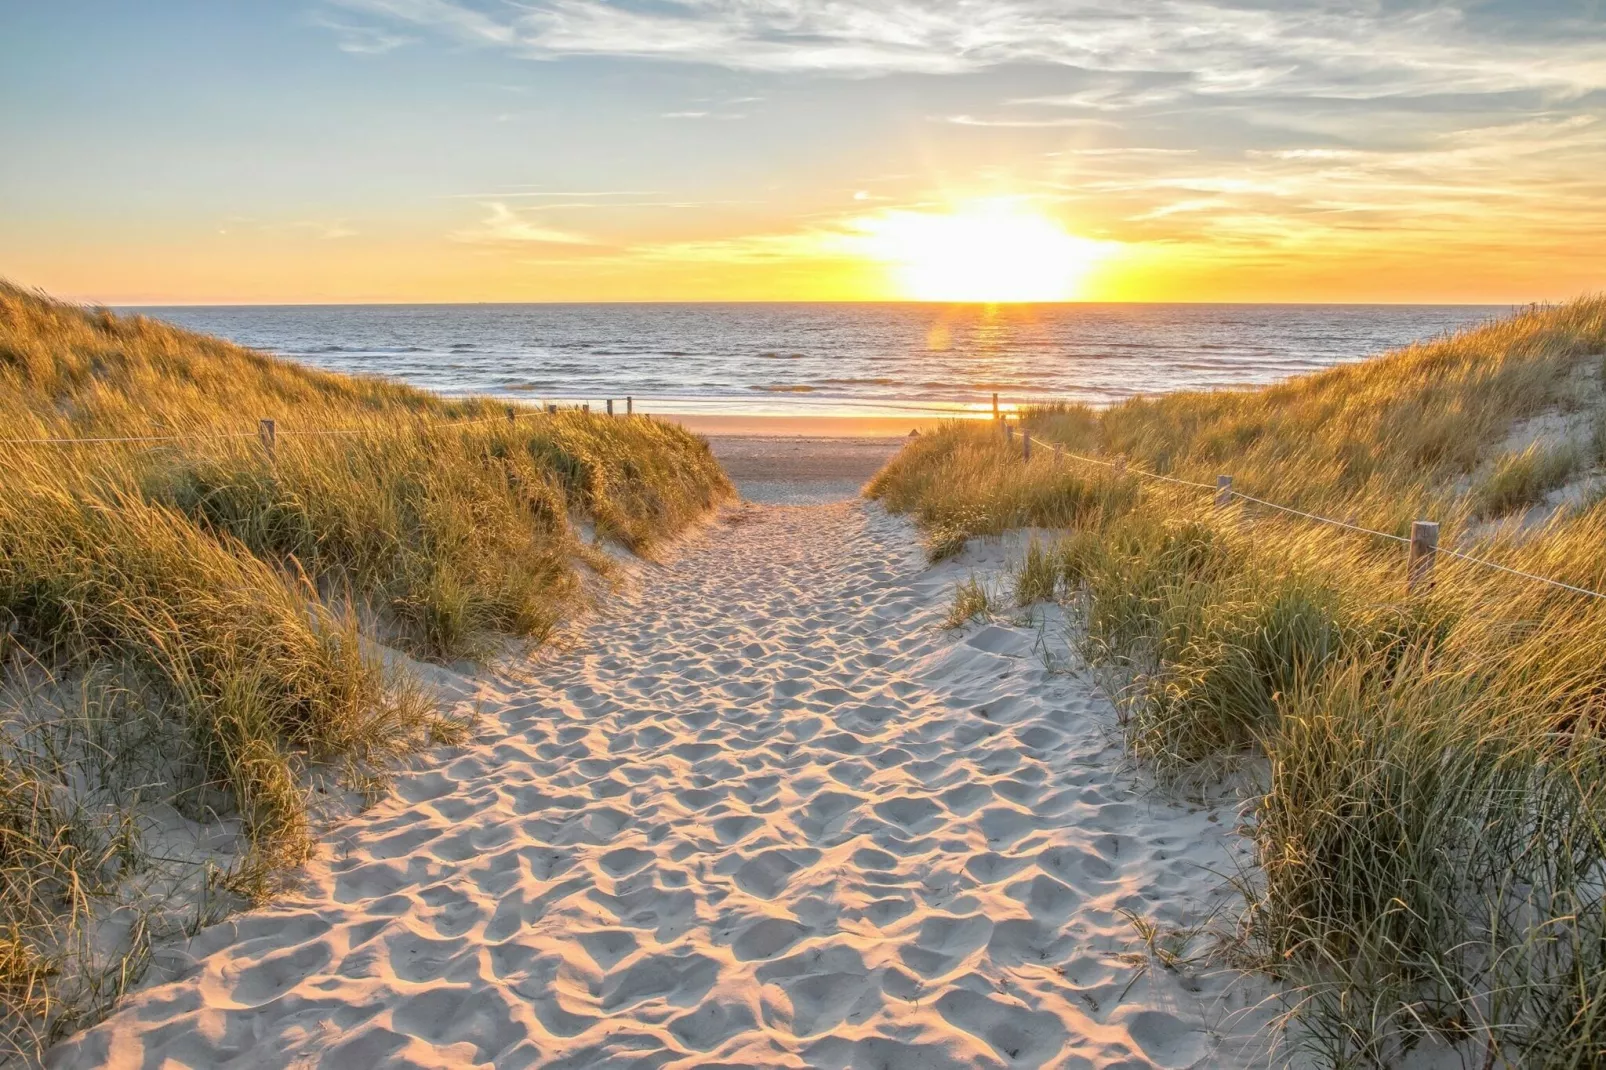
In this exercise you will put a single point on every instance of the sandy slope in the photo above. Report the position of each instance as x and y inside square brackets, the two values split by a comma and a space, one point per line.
[767, 814]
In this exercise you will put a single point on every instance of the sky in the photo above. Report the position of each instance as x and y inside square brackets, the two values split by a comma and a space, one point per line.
[196, 151]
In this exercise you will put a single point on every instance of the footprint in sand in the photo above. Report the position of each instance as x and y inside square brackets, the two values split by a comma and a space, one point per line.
[765, 813]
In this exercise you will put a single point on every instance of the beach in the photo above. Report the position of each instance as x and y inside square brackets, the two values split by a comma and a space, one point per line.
[761, 809]
[781, 460]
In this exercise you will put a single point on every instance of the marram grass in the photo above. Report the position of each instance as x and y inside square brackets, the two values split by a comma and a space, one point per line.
[1430, 816]
[194, 622]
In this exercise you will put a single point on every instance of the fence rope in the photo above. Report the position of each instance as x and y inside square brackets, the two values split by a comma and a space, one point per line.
[1322, 519]
[137, 438]
[1141, 472]
[1486, 563]
[1471, 559]
[223, 435]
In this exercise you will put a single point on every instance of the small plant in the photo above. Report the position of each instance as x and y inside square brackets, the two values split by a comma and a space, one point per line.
[1037, 575]
[971, 602]
[1520, 480]
[945, 542]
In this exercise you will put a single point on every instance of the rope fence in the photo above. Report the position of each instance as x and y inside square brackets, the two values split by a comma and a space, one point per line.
[268, 431]
[1422, 546]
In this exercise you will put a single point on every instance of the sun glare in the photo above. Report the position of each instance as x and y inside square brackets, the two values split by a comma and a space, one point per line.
[989, 252]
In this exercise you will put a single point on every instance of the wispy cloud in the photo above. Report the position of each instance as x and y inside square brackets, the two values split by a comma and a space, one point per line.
[504, 226]
[363, 39]
[521, 191]
[1316, 48]
[322, 229]
[1028, 123]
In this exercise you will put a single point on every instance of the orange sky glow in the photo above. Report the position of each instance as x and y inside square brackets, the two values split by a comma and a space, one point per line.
[397, 150]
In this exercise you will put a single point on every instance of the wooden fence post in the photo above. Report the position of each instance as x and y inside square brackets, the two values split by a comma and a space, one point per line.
[1120, 466]
[586, 407]
[630, 405]
[610, 406]
[995, 405]
[1026, 444]
[511, 415]
[1424, 548]
[1009, 432]
[269, 440]
[551, 409]
[1058, 453]
[1223, 491]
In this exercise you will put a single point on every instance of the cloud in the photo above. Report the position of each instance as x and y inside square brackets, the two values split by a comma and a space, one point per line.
[322, 229]
[504, 226]
[1051, 121]
[1153, 50]
[327, 231]
[518, 191]
[363, 40]
[1532, 180]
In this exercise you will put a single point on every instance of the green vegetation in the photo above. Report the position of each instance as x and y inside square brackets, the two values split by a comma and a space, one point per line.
[972, 601]
[1038, 574]
[1520, 480]
[192, 623]
[1430, 801]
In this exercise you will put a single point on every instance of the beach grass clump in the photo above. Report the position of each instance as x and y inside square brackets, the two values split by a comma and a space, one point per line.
[192, 620]
[972, 601]
[1037, 574]
[1522, 479]
[1428, 819]
[960, 486]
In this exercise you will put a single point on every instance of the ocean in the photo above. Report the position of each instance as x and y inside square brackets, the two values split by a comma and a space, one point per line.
[818, 359]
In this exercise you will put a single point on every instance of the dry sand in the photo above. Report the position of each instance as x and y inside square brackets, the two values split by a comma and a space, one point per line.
[809, 427]
[799, 470]
[766, 813]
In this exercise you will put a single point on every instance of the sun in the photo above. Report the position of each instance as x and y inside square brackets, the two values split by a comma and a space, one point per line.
[990, 251]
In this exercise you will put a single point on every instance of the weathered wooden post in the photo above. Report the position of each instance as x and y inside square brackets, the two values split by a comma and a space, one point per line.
[610, 406]
[1424, 548]
[1120, 466]
[1026, 444]
[1058, 453]
[551, 409]
[995, 405]
[630, 405]
[586, 407]
[269, 440]
[511, 414]
[1223, 491]
[1009, 432]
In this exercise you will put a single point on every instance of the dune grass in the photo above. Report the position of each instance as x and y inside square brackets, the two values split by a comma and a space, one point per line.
[192, 624]
[1430, 768]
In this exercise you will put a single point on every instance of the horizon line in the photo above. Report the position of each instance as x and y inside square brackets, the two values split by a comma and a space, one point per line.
[795, 301]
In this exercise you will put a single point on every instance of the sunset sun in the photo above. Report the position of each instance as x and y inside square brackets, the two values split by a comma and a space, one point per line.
[986, 252]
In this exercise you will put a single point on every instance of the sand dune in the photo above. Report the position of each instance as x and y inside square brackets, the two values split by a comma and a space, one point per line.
[765, 814]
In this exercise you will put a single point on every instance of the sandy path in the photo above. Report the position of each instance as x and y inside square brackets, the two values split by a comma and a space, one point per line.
[767, 815]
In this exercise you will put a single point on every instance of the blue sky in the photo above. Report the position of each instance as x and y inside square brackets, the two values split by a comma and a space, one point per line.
[480, 149]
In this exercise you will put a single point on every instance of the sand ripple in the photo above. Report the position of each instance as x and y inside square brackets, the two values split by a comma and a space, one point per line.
[768, 815]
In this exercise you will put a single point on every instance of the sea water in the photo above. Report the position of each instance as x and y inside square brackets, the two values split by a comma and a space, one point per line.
[817, 359]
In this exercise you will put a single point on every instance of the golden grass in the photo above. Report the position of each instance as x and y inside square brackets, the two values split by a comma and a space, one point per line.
[1431, 825]
[210, 611]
